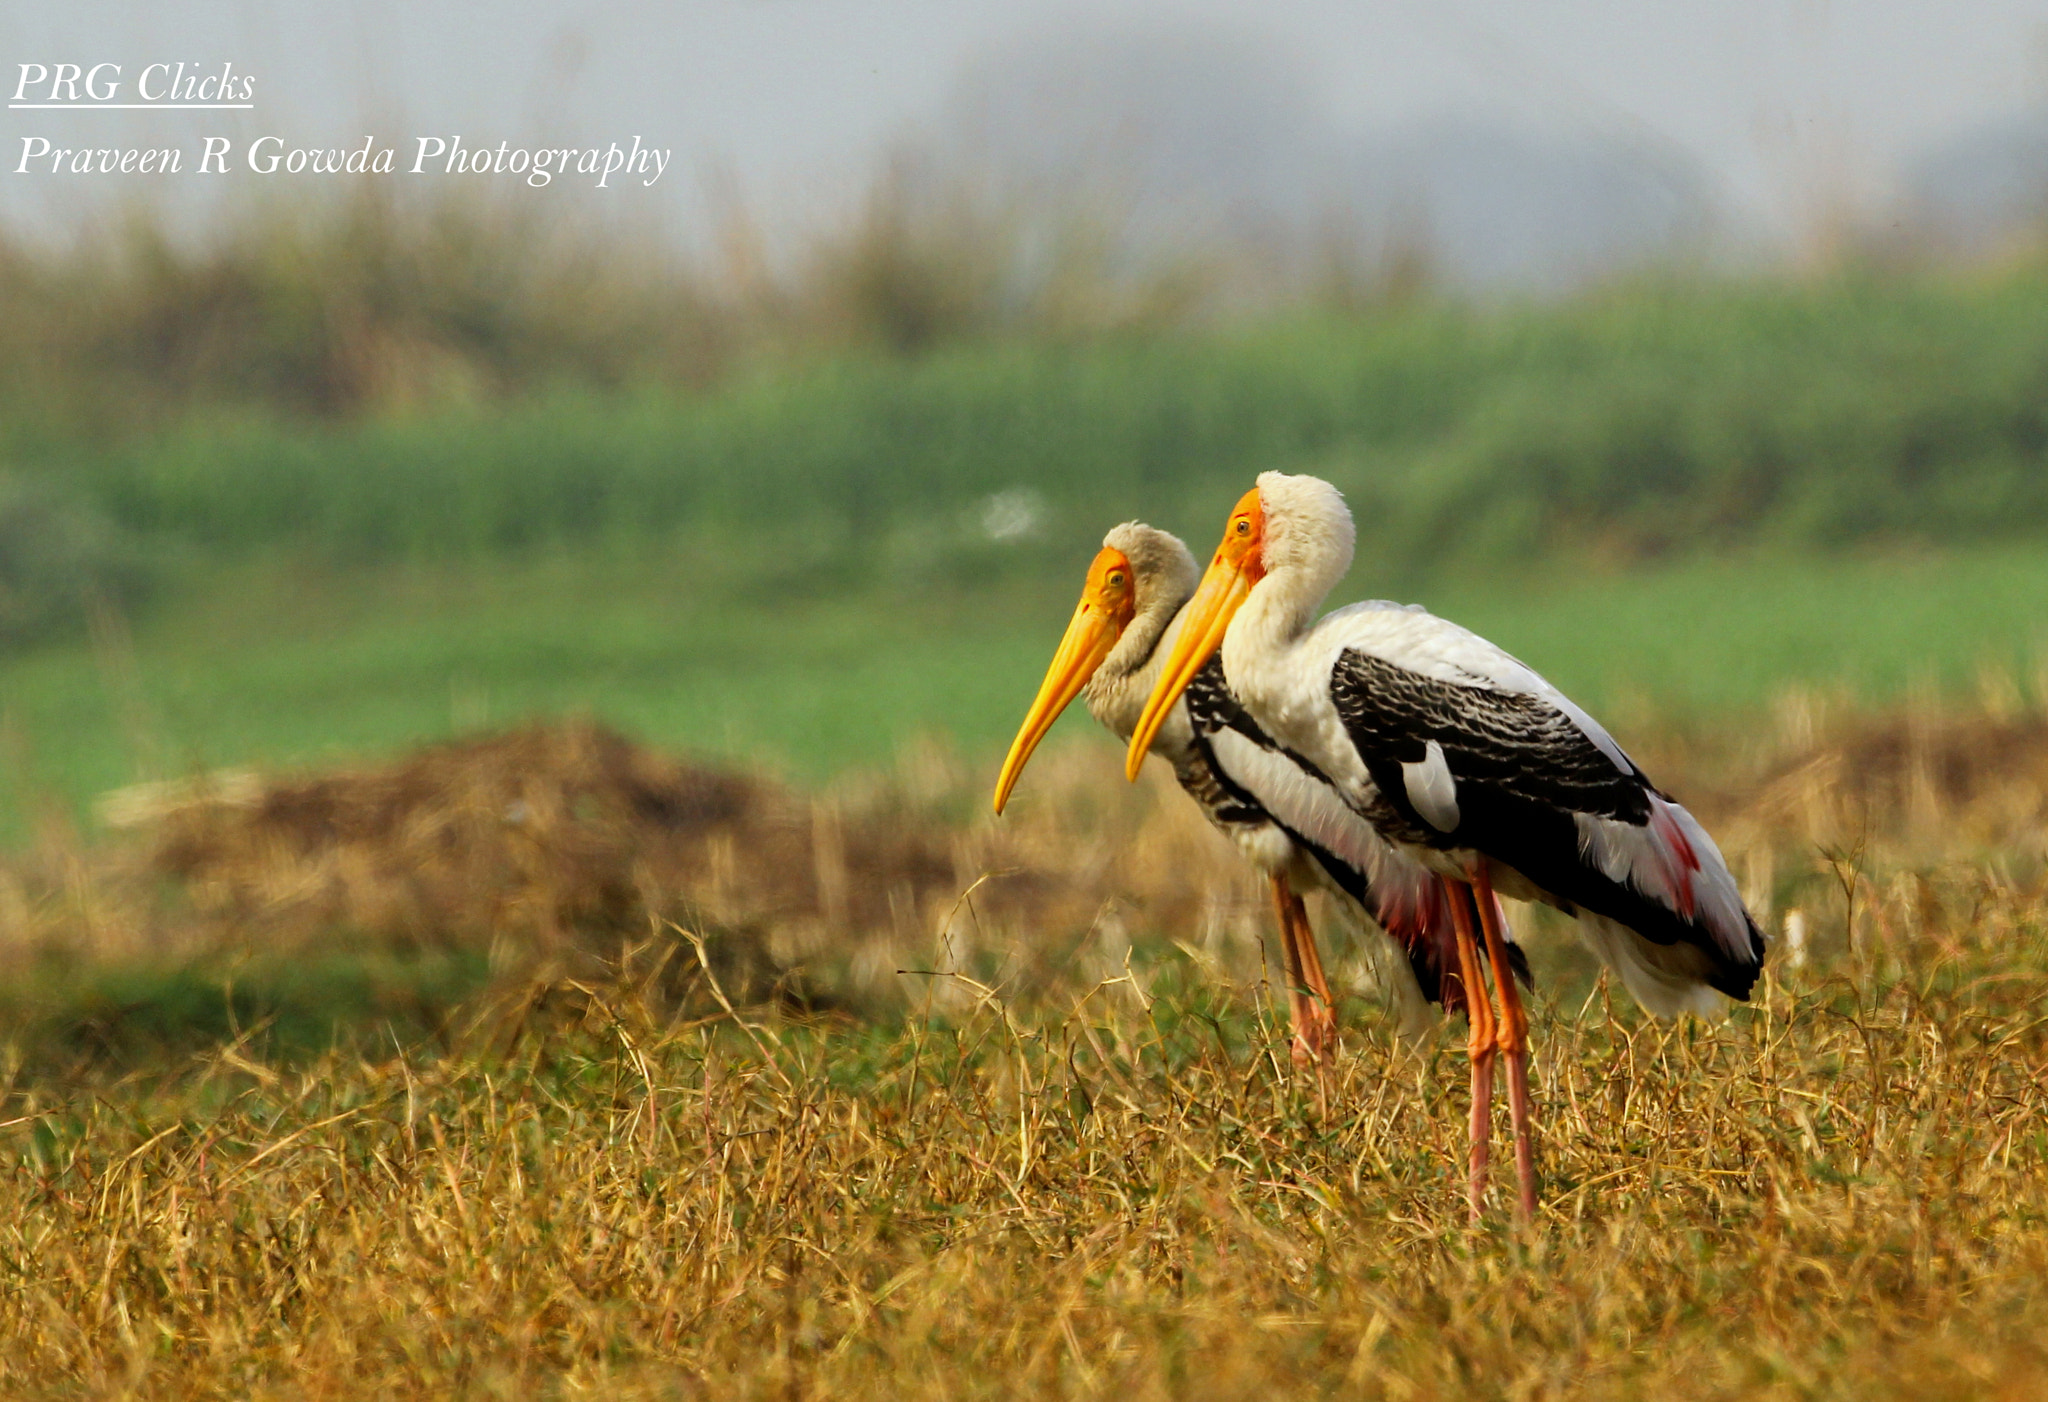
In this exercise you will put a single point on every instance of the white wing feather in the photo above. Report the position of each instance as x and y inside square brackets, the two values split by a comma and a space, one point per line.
[1305, 804]
[1432, 789]
[1672, 860]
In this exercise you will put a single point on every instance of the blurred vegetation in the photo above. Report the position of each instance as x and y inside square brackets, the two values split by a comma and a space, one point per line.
[376, 378]
[329, 312]
[59, 559]
[372, 306]
[551, 400]
[404, 469]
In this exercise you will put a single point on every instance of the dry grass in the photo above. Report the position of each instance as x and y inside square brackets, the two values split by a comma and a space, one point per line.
[1072, 1165]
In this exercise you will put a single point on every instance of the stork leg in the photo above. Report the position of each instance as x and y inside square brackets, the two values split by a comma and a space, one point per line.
[1308, 997]
[1479, 1046]
[1513, 1039]
[1322, 1008]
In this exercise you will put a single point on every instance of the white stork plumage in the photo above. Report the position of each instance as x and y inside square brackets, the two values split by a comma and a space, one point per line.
[1468, 761]
[1121, 630]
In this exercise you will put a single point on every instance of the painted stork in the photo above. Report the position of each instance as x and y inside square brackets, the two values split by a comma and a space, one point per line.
[1111, 653]
[1470, 763]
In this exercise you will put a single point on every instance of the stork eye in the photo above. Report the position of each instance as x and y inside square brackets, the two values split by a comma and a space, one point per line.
[1116, 579]
[1243, 525]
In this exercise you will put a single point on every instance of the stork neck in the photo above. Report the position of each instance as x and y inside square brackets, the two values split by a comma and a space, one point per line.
[1275, 616]
[1116, 694]
[1138, 648]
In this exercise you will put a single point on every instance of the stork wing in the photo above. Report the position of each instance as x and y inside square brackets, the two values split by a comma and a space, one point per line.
[1415, 640]
[1425, 739]
[1503, 764]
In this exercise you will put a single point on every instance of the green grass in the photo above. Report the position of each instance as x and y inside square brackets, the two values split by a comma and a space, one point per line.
[1705, 639]
[63, 1018]
[267, 666]
[272, 664]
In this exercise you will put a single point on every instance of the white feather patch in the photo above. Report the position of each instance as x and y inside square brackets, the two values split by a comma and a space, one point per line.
[1401, 887]
[1665, 978]
[1674, 862]
[1432, 789]
[1300, 801]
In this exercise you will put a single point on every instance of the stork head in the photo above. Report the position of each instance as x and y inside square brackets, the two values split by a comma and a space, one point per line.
[1308, 531]
[1295, 527]
[1108, 602]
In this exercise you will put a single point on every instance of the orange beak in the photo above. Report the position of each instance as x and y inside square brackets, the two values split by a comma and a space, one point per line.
[1206, 618]
[1099, 620]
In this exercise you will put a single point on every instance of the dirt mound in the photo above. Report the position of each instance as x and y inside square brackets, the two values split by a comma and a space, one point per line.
[569, 842]
[548, 835]
[572, 840]
[1947, 763]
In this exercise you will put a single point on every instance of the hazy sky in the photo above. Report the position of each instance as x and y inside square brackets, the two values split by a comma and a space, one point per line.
[1797, 109]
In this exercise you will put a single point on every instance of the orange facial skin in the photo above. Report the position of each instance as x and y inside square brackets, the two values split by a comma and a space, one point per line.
[1108, 600]
[1237, 565]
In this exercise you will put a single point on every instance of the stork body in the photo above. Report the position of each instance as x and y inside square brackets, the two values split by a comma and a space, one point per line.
[1469, 762]
[1240, 778]
[1460, 754]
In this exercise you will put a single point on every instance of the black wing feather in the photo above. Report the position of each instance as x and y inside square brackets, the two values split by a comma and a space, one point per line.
[1523, 770]
[1521, 745]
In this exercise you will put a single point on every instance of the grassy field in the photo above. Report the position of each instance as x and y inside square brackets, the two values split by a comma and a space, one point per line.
[1067, 1154]
[281, 664]
[1117, 1192]
[1676, 499]
[397, 1080]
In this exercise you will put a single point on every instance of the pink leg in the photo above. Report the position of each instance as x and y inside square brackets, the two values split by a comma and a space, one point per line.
[1322, 1008]
[1514, 1045]
[1308, 996]
[1479, 1046]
